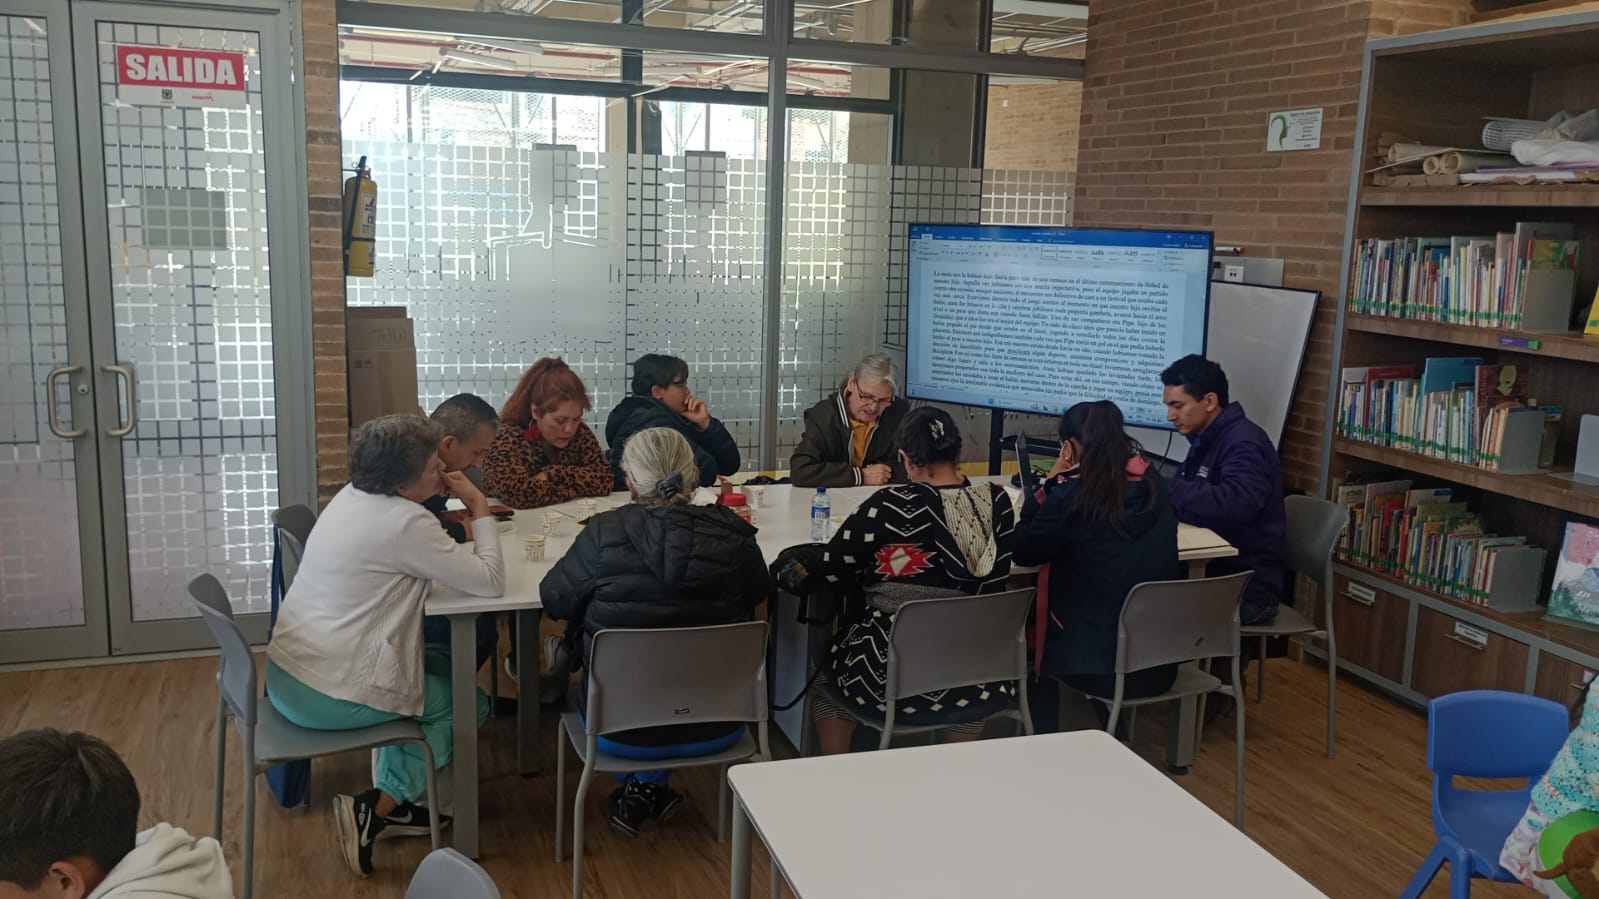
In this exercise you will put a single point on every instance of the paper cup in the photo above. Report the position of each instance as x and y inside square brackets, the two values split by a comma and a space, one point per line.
[585, 509]
[552, 523]
[756, 495]
[505, 527]
[535, 547]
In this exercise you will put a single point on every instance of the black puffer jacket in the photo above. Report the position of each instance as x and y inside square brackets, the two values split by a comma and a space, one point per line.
[658, 566]
[715, 450]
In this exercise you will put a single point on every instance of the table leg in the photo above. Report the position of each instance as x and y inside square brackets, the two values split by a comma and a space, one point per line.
[528, 751]
[740, 879]
[463, 695]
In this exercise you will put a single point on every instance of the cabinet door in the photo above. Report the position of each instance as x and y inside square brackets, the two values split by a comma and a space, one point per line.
[1452, 655]
[1370, 627]
[1561, 680]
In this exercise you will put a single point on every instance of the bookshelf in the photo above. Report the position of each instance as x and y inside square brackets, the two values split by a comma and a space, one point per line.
[1437, 87]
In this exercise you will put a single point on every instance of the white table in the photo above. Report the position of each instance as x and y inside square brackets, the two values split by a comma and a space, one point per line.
[782, 519]
[1074, 814]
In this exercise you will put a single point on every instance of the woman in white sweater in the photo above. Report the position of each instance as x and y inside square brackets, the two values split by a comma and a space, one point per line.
[347, 651]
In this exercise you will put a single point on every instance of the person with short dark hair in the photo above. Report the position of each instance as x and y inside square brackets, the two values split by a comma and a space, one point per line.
[544, 454]
[849, 437]
[69, 812]
[348, 652]
[939, 535]
[662, 399]
[1231, 481]
[468, 423]
[1102, 519]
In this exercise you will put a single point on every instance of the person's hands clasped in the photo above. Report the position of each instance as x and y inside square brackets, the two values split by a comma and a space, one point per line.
[694, 410]
[462, 488]
[876, 475]
[1066, 461]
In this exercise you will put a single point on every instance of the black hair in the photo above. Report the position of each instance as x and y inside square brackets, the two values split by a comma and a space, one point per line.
[927, 435]
[62, 795]
[463, 415]
[1103, 449]
[1198, 376]
[655, 370]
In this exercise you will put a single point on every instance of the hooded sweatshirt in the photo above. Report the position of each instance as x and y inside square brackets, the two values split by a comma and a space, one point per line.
[715, 450]
[168, 863]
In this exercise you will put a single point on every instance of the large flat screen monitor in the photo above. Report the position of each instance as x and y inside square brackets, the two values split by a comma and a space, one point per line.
[1036, 319]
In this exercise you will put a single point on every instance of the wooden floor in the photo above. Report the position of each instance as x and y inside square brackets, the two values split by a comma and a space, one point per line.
[1355, 826]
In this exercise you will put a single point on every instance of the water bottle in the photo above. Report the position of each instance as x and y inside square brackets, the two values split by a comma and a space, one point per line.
[821, 509]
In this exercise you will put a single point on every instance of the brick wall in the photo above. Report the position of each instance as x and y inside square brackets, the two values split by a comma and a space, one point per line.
[1033, 126]
[323, 155]
[1175, 103]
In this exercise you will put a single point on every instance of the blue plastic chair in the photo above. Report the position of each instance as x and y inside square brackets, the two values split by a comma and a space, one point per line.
[1483, 733]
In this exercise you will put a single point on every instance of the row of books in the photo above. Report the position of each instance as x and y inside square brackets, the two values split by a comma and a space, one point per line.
[1428, 538]
[1519, 280]
[1459, 409]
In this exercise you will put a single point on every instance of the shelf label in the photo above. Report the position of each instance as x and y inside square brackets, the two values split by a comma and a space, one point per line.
[1361, 593]
[1471, 634]
[1520, 343]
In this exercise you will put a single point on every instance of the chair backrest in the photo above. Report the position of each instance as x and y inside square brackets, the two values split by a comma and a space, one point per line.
[676, 675]
[294, 529]
[1493, 733]
[1167, 622]
[955, 641]
[1314, 526]
[236, 677]
[447, 874]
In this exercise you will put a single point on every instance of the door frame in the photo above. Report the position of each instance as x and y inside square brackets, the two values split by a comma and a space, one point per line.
[287, 230]
[89, 638]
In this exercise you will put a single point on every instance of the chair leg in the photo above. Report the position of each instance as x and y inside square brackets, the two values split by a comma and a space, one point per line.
[433, 796]
[1459, 875]
[1238, 777]
[721, 805]
[494, 683]
[247, 846]
[1260, 687]
[1332, 688]
[222, 764]
[777, 881]
[577, 826]
[560, 791]
[1424, 874]
[1132, 722]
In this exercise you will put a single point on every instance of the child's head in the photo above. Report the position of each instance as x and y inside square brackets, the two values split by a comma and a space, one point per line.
[69, 812]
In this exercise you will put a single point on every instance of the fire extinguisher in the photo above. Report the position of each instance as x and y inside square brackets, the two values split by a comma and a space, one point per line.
[360, 222]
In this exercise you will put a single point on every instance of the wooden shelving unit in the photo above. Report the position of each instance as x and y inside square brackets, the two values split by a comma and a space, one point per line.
[1437, 88]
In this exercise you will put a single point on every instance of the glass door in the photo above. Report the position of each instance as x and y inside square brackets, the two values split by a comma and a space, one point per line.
[52, 582]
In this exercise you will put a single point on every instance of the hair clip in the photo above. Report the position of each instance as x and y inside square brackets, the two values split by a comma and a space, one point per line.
[671, 485]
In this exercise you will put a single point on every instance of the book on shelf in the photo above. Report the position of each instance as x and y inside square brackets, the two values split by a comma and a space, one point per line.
[1523, 279]
[1427, 538]
[1574, 590]
[1458, 409]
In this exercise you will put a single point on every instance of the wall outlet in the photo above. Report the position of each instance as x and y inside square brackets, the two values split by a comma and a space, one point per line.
[1232, 273]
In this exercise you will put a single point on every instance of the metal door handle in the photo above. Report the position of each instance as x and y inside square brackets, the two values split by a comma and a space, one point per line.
[126, 373]
[1469, 644]
[56, 427]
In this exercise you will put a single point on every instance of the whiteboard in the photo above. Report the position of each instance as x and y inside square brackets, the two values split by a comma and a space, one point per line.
[1258, 335]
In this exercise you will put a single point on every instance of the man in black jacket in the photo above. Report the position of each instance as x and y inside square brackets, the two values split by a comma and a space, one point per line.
[849, 437]
[661, 399]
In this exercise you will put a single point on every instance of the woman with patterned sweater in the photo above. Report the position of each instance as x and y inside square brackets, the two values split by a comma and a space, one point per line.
[939, 535]
[543, 454]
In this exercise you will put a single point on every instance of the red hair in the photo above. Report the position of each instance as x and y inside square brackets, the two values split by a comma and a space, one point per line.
[549, 382]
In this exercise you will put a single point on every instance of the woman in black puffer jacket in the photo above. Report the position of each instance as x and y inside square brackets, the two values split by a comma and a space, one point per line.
[659, 562]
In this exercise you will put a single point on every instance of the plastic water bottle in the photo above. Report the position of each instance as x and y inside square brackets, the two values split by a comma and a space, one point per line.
[821, 509]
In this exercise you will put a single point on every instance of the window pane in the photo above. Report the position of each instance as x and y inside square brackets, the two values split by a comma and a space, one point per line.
[410, 54]
[736, 16]
[1033, 27]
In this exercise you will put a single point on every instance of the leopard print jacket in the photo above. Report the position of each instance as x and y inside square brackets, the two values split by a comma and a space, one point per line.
[526, 475]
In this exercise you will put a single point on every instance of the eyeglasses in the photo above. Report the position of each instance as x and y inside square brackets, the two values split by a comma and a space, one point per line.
[682, 383]
[872, 402]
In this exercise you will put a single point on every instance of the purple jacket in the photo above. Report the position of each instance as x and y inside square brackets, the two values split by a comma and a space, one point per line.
[1232, 483]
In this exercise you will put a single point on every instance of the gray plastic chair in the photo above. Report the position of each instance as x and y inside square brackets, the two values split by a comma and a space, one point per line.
[1314, 526]
[266, 736]
[1173, 622]
[294, 528]
[653, 677]
[948, 642]
[447, 874]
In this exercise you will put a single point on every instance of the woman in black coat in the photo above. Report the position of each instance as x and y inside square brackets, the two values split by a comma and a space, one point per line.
[661, 399]
[1102, 522]
[658, 562]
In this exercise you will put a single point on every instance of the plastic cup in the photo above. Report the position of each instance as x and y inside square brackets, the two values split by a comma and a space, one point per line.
[552, 523]
[535, 547]
[585, 509]
[756, 494]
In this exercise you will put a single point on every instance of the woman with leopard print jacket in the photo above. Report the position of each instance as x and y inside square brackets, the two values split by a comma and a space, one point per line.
[543, 453]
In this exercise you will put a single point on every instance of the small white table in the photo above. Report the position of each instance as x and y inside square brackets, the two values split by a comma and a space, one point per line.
[1073, 814]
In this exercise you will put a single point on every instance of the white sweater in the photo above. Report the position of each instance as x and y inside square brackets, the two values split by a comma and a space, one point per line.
[351, 624]
[168, 863]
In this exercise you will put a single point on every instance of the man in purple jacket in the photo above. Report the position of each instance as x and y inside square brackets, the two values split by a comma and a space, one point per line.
[1231, 481]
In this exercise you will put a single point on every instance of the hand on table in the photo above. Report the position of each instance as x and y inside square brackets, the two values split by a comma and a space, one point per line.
[876, 475]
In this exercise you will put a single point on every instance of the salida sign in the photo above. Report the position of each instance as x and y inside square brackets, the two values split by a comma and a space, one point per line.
[173, 76]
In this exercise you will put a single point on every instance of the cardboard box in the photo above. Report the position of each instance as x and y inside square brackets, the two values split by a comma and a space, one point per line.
[381, 345]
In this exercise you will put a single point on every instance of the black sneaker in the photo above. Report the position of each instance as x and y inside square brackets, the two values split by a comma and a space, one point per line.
[628, 812]
[359, 826]
[408, 820]
[661, 801]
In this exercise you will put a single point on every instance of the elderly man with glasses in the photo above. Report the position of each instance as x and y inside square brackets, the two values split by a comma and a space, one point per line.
[849, 437]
